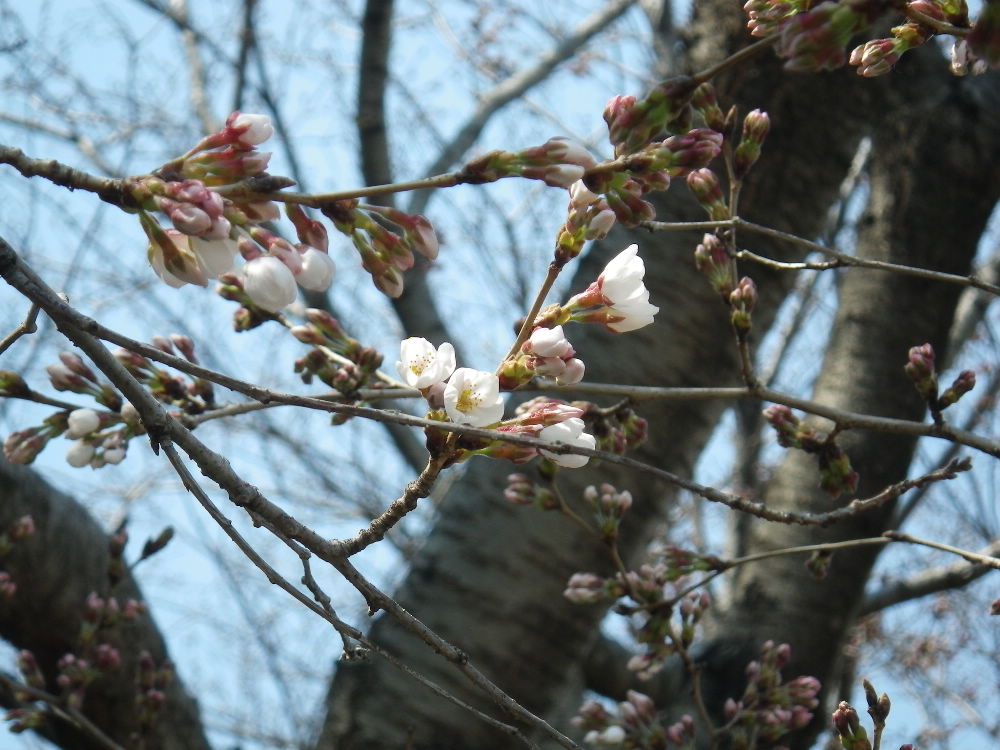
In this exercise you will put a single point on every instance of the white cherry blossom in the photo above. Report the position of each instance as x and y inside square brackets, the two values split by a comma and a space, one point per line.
[420, 365]
[568, 432]
[623, 291]
[472, 397]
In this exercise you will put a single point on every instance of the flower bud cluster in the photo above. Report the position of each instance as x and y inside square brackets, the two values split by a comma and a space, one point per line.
[326, 335]
[705, 187]
[636, 724]
[619, 296]
[677, 562]
[660, 635]
[16, 531]
[72, 374]
[712, 259]
[921, 368]
[633, 123]
[589, 217]
[742, 301]
[609, 507]
[770, 708]
[756, 126]
[815, 39]
[547, 353]
[706, 103]
[189, 396]
[200, 193]
[151, 685]
[764, 16]
[385, 254]
[836, 474]
[847, 724]
[650, 169]
[558, 163]
[521, 490]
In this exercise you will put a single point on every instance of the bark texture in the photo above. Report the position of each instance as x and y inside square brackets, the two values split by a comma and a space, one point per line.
[55, 569]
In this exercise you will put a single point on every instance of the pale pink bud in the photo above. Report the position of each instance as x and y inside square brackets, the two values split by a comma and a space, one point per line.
[580, 195]
[79, 454]
[250, 129]
[573, 373]
[567, 152]
[601, 224]
[569, 432]
[269, 283]
[82, 422]
[317, 270]
[548, 342]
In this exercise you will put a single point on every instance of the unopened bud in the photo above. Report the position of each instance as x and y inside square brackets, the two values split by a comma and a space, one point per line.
[708, 192]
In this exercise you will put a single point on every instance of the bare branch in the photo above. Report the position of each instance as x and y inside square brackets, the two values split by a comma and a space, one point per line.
[928, 582]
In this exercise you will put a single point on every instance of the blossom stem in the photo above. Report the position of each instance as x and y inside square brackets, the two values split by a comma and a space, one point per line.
[529, 321]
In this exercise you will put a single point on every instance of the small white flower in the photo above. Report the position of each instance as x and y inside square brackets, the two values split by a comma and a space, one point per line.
[549, 342]
[569, 432]
[317, 272]
[255, 128]
[79, 454]
[613, 735]
[420, 365]
[269, 283]
[472, 397]
[623, 290]
[82, 422]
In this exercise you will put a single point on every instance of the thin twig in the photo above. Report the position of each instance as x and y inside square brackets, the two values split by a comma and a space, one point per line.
[972, 557]
[67, 713]
[27, 326]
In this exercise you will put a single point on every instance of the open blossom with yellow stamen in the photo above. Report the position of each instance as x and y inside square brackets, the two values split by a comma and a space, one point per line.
[472, 397]
[420, 365]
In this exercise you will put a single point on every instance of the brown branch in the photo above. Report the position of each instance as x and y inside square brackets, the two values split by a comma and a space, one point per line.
[928, 582]
[164, 429]
[108, 189]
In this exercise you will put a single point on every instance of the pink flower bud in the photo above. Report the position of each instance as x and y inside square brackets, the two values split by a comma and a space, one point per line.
[249, 130]
[317, 270]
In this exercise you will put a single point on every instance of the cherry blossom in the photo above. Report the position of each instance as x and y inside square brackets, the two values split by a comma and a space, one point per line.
[569, 432]
[269, 283]
[420, 365]
[472, 397]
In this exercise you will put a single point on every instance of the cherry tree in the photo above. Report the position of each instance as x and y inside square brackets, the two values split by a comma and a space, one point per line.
[775, 242]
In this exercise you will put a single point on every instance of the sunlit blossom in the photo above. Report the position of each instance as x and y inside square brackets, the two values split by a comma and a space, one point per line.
[472, 397]
[623, 291]
[420, 365]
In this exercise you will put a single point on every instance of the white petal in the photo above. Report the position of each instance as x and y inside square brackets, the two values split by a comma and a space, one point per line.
[269, 283]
